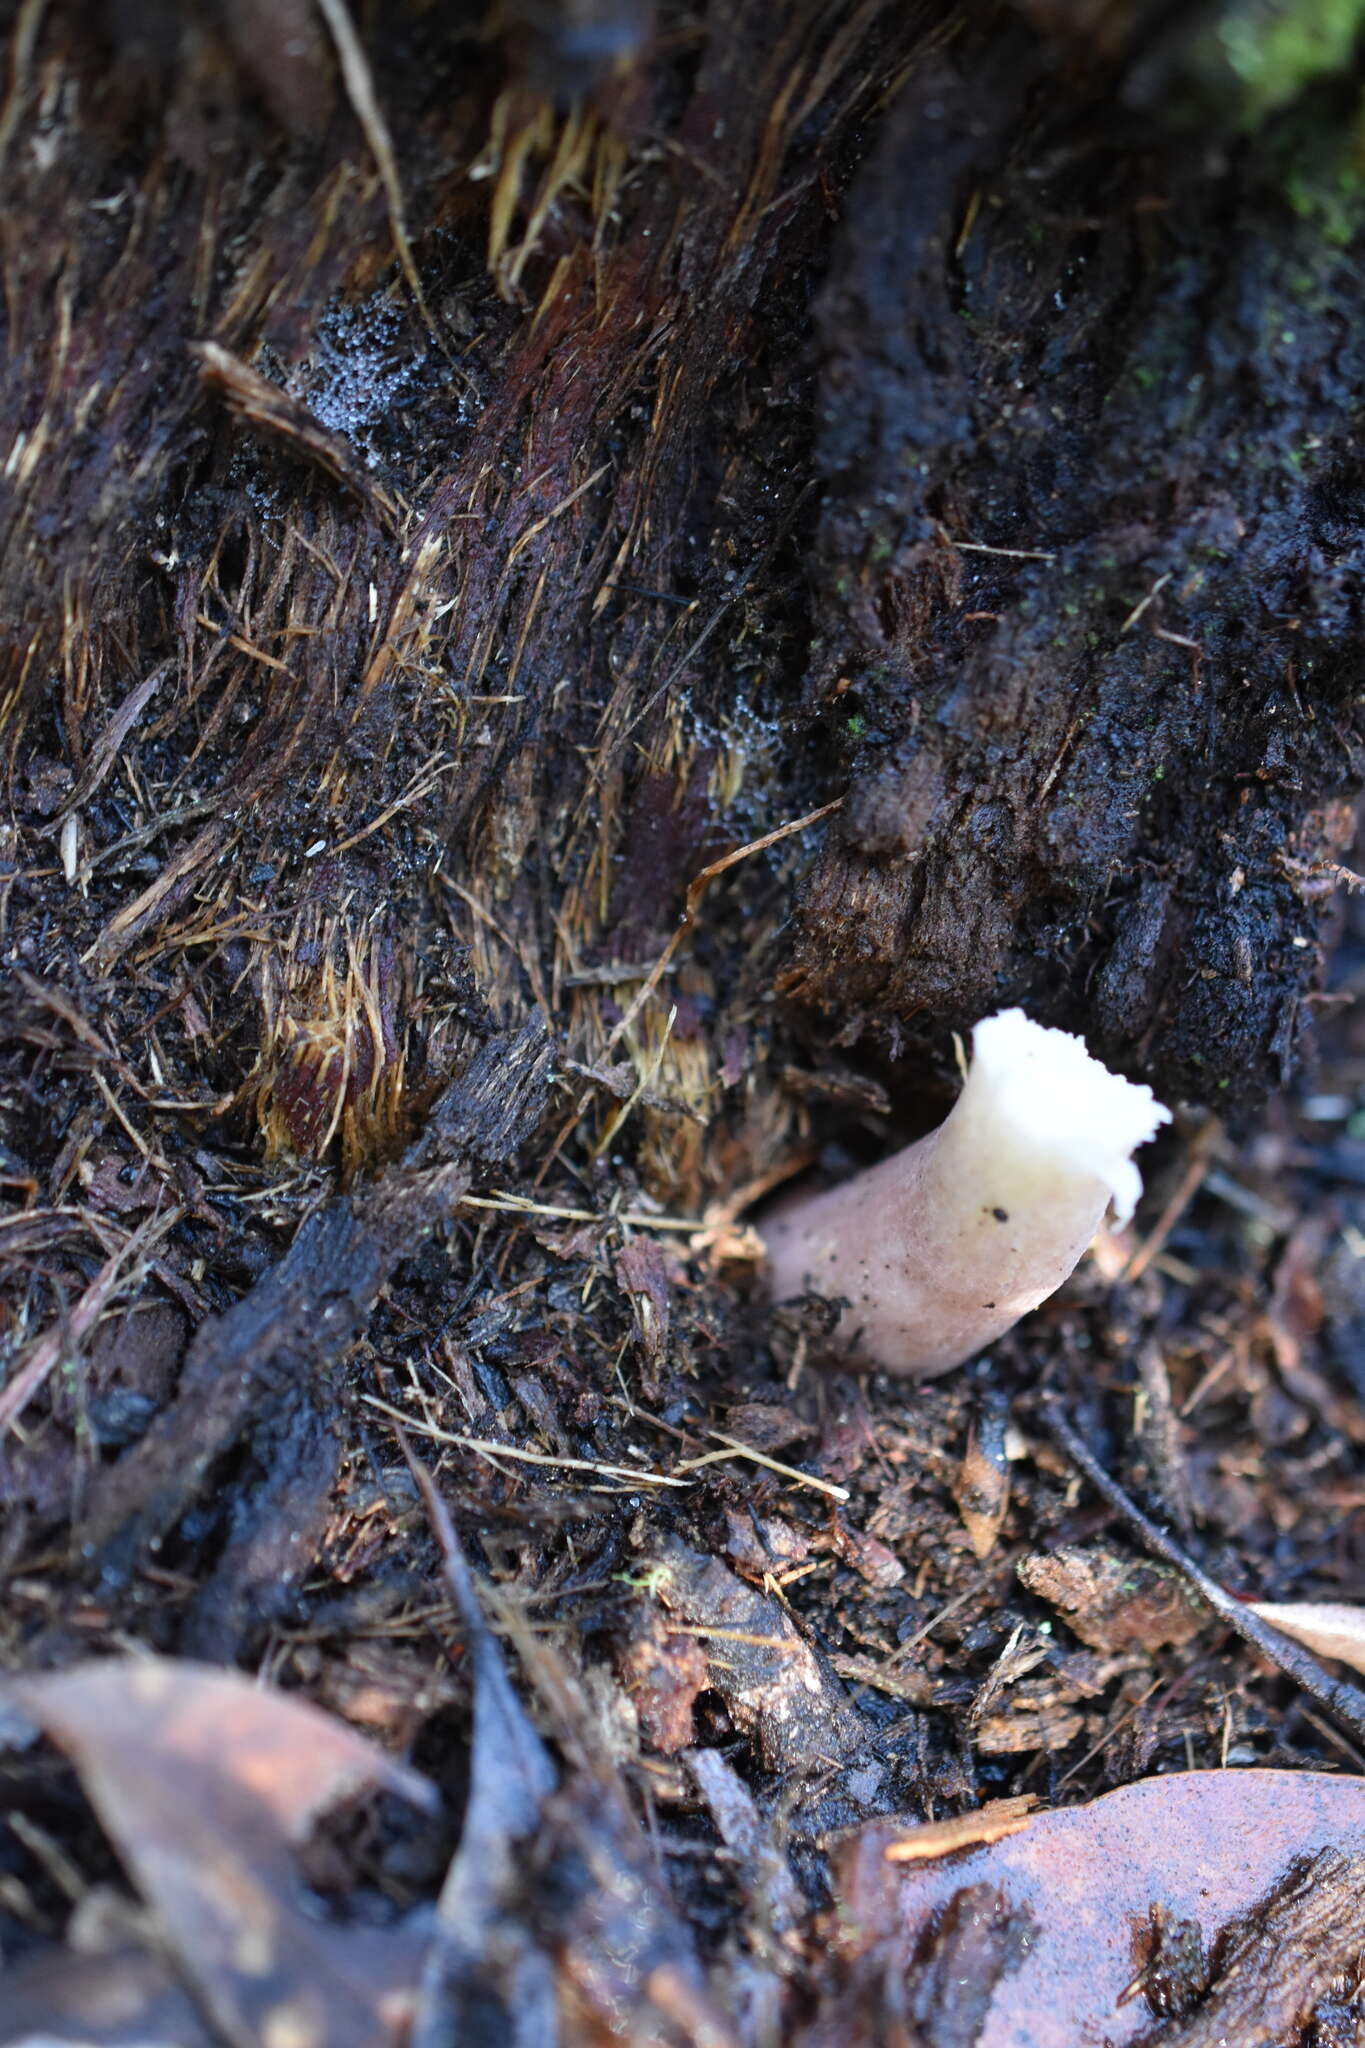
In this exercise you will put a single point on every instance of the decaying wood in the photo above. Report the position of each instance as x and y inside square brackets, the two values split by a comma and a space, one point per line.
[246, 1368]
[1346, 1702]
[1098, 741]
[1276, 1966]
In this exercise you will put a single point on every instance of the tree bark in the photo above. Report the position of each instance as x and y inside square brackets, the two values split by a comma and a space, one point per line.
[811, 403]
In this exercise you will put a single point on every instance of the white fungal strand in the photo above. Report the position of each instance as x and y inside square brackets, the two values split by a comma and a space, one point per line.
[943, 1246]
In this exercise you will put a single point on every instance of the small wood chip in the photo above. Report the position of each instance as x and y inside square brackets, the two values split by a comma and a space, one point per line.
[990, 1823]
[982, 1488]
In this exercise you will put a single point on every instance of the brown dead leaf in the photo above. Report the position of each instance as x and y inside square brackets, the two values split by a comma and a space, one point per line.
[982, 1487]
[1202, 1846]
[1328, 1627]
[990, 1823]
[1114, 1602]
[205, 1783]
[662, 1673]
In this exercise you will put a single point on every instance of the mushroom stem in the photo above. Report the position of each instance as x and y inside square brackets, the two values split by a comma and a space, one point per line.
[941, 1248]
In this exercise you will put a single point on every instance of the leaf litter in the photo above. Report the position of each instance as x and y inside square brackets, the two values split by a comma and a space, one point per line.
[1088, 1884]
[207, 1786]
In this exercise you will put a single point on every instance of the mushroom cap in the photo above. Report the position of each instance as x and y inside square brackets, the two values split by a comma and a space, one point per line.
[1044, 1085]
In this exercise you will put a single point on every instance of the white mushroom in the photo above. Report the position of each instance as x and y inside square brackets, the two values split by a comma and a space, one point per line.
[939, 1249]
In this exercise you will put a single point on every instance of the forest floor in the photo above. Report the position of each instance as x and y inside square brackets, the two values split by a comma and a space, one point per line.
[428, 949]
[763, 1614]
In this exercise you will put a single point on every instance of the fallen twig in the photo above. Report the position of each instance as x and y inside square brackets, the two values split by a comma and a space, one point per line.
[1345, 1702]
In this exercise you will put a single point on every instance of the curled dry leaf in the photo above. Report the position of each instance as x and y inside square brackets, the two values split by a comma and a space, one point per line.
[1202, 1846]
[1327, 1627]
[205, 1784]
[982, 1491]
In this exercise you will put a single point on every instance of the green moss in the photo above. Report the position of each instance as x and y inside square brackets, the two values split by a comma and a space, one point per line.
[1274, 48]
[1331, 202]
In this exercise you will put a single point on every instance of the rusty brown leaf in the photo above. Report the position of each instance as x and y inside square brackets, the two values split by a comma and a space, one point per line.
[1201, 1846]
[205, 1783]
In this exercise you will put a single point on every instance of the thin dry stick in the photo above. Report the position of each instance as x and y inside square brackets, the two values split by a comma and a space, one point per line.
[979, 547]
[1345, 1702]
[521, 1205]
[735, 1449]
[355, 75]
[484, 1447]
[727, 1635]
[1191, 1180]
